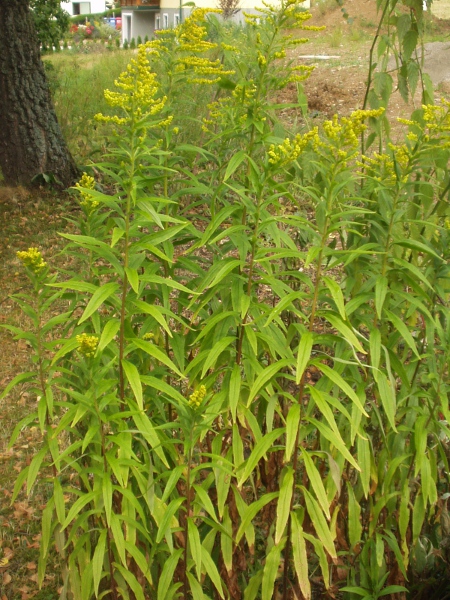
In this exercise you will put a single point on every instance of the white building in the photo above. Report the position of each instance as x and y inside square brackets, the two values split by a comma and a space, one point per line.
[142, 17]
[77, 7]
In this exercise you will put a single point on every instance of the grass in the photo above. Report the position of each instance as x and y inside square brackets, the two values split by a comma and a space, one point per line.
[78, 82]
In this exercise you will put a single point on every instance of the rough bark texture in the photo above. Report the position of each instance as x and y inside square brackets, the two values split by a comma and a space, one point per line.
[31, 142]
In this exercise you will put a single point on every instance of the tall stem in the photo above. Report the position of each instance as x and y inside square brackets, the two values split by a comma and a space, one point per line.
[125, 278]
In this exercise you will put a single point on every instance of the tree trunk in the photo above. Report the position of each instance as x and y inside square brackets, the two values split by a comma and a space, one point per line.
[31, 142]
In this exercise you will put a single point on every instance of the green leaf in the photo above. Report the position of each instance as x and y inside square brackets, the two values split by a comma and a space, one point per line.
[98, 559]
[154, 351]
[266, 375]
[167, 518]
[353, 589]
[316, 481]
[354, 514]
[195, 545]
[147, 430]
[226, 541]
[212, 571]
[338, 297]
[271, 570]
[196, 588]
[387, 396]
[364, 461]
[130, 578]
[403, 330]
[300, 557]
[78, 506]
[319, 523]
[17, 379]
[215, 352]
[419, 247]
[154, 311]
[98, 298]
[341, 383]
[234, 390]
[109, 331]
[59, 500]
[381, 287]
[336, 439]
[205, 501]
[68, 346]
[233, 164]
[133, 278]
[135, 382]
[344, 329]
[107, 491]
[258, 452]
[34, 468]
[304, 354]
[251, 513]
[284, 503]
[292, 425]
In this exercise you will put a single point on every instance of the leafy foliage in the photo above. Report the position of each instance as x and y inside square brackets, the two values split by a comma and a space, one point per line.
[248, 383]
[50, 20]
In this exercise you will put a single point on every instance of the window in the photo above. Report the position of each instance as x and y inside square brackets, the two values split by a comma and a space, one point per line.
[165, 21]
[81, 8]
[157, 21]
[176, 20]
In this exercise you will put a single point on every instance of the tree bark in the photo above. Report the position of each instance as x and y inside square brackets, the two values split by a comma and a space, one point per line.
[31, 142]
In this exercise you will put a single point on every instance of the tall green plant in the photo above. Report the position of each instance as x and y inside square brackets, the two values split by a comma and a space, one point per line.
[250, 383]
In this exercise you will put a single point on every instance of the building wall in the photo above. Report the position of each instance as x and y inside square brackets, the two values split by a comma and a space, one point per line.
[86, 7]
[144, 22]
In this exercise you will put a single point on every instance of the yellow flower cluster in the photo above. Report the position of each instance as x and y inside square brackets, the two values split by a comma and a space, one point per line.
[87, 201]
[290, 150]
[139, 96]
[217, 114]
[197, 397]
[437, 117]
[32, 259]
[380, 167]
[342, 135]
[88, 344]
[190, 37]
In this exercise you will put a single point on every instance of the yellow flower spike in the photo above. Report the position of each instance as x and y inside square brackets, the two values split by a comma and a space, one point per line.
[87, 344]
[87, 201]
[139, 91]
[32, 259]
[197, 397]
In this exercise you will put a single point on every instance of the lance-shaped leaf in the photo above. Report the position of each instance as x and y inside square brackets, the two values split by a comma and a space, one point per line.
[284, 503]
[99, 297]
[300, 557]
[316, 482]
[319, 522]
[271, 570]
[258, 452]
[135, 382]
[303, 354]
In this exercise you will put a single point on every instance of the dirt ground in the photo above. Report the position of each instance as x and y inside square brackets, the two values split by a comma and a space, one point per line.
[337, 85]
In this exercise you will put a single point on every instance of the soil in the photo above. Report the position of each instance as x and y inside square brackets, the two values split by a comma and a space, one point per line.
[338, 83]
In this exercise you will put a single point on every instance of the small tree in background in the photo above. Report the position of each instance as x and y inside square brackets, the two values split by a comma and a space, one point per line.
[228, 7]
[50, 20]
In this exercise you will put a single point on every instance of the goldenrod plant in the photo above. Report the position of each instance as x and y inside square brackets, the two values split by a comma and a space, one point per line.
[246, 395]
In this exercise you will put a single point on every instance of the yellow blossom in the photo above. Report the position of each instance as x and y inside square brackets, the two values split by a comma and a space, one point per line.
[32, 259]
[87, 344]
[87, 201]
[197, 397]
